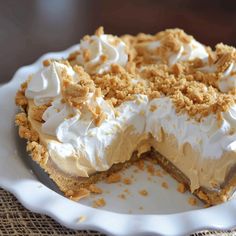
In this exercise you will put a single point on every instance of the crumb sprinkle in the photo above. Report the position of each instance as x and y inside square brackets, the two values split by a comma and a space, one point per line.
[81, 219]
[127, 181]
[122, 196]
[181, 188]
[77, 195]
[143, 192]
[99, 203]
[140, 164]
[127, 191]
[150, 169]
[113, 178]
[94, 189]
[192, 201]
[159, 173]
[165, 185]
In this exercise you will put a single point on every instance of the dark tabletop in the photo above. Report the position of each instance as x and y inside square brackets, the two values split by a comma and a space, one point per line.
[30, 28]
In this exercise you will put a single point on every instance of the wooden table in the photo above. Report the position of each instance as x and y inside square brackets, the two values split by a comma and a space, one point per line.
[30, 28]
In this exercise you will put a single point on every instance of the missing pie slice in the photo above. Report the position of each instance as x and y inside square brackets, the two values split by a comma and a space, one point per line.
[118, 99]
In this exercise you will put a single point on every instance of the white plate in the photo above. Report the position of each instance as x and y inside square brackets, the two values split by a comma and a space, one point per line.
[163, 211]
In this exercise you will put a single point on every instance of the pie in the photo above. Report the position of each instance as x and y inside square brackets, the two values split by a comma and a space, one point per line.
[116, 100]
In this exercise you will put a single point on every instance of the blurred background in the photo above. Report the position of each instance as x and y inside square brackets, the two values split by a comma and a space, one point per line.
[30, 28]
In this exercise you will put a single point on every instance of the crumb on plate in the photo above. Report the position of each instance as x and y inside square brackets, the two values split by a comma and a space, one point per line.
[77, 195]
[127, 181]
[81, 219]
[113, 178]
[165, 185]
[192, 201]
[122, 196]
[94, 189]
[143, 192]
[181, 188]
[99, 203]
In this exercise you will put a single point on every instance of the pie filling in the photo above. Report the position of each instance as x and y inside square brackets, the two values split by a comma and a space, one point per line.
[118, 95]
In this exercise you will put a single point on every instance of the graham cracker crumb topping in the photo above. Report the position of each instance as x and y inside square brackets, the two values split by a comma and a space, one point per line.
[47, 62]
[170, 41]
[192, 90]
[76, 92]
[99, 31]
[118, 86]
[37, 112]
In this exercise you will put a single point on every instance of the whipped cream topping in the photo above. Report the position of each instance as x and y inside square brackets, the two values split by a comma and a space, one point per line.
[187, 51]
[98, 53]
[45, 84]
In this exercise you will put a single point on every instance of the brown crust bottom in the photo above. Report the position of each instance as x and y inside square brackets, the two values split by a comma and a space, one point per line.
[71, 184]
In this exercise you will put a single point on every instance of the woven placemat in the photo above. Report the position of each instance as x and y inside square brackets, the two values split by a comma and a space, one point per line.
[16, 220]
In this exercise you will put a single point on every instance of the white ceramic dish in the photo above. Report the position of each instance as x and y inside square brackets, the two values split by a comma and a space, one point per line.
[163, 211]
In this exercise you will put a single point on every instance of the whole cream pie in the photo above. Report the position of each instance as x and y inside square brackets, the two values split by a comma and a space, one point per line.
[118, 99]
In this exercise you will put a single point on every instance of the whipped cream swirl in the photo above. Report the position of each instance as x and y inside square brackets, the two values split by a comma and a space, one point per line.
[187, 51]
[98, 53]
[227, 80]
[45, 85]
[55, 115]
